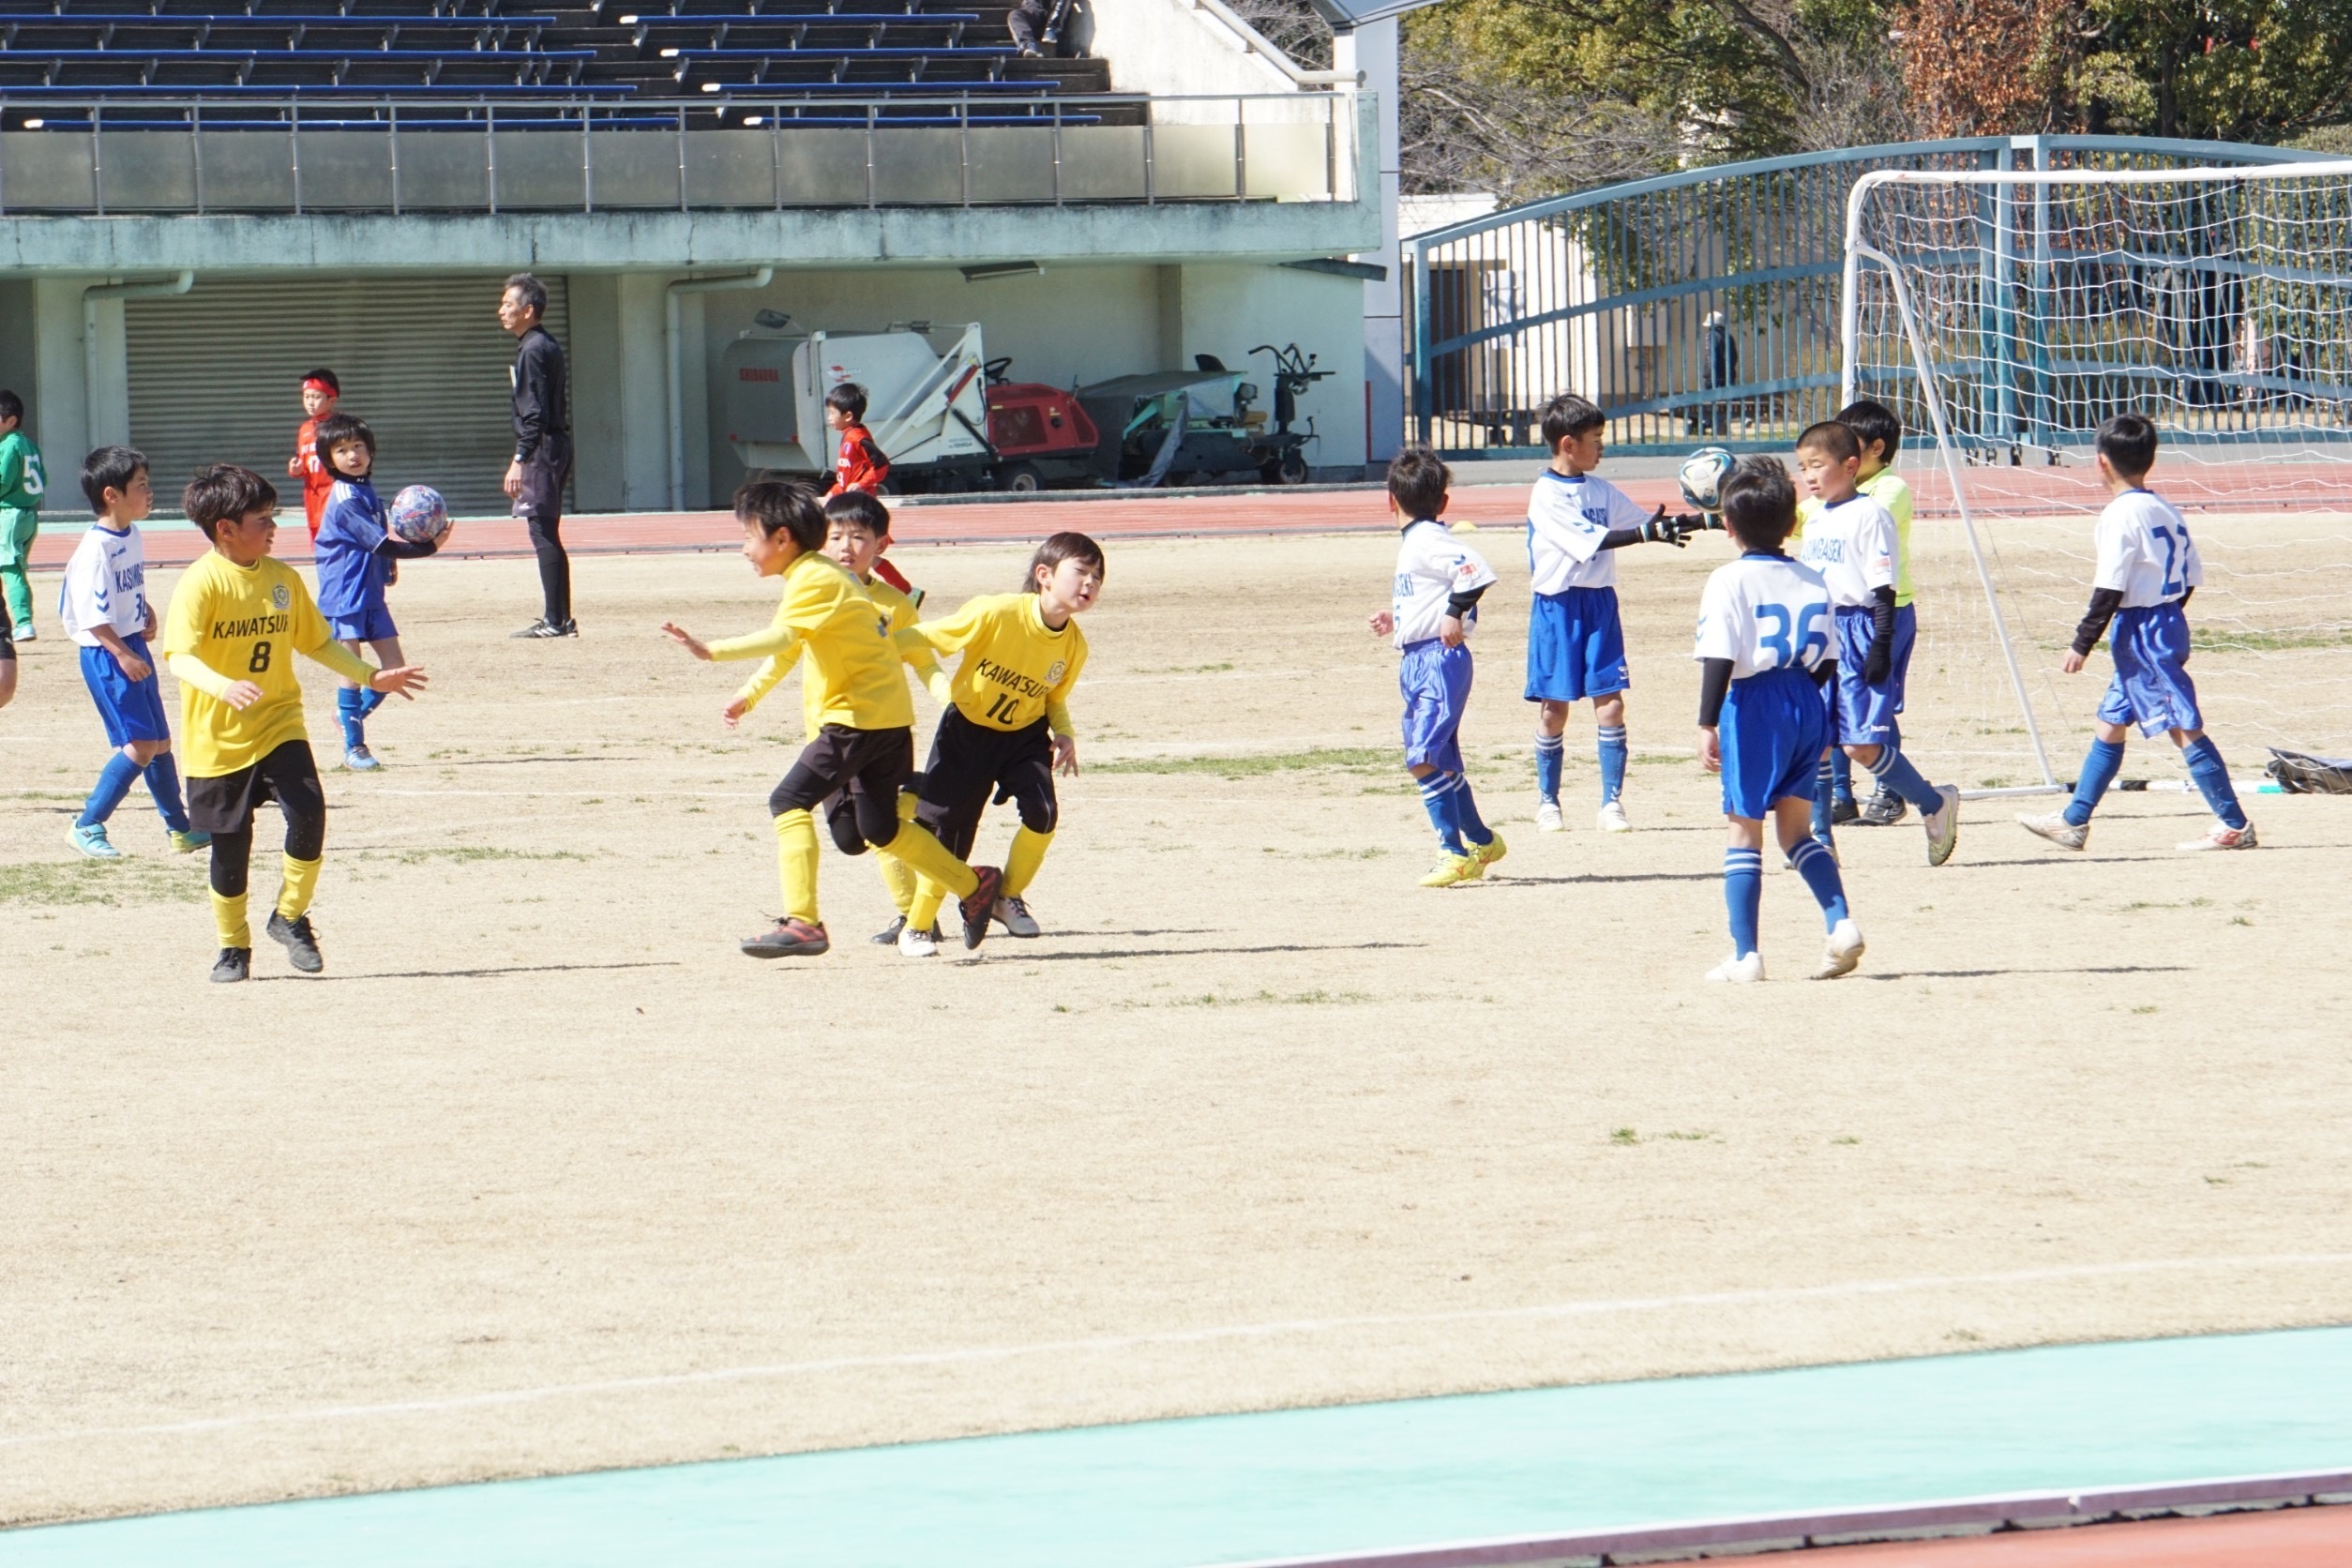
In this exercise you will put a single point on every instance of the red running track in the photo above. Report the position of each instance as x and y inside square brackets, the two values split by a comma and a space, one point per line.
[2288, 1538]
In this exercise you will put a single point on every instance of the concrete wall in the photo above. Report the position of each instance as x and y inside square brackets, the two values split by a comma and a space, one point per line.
[1172, 47]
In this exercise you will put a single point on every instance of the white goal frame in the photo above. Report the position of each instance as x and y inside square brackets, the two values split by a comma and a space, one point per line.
[1858, 252]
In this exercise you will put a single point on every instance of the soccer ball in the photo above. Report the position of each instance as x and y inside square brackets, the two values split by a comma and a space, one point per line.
[1702, 475]
[420, 516]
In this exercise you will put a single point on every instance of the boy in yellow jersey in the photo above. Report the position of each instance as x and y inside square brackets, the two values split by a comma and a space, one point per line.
[1880, 432]
[865, 744]
[236, 622]
[858, 532]
[1008, 725]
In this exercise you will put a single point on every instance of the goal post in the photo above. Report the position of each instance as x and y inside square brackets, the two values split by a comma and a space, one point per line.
[2004, 315]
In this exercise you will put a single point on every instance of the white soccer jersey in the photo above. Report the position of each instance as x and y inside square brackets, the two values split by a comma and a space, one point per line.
[1852, 544]
[1764, 613]
[2145, 552]
[106, 586]
[1432, 566]
[1566, 519]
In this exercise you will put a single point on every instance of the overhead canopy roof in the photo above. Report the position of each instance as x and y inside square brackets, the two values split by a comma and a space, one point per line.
[1355, 13]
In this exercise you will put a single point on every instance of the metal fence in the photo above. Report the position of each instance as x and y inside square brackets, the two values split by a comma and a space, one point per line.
[100, 157]
[1703, 304]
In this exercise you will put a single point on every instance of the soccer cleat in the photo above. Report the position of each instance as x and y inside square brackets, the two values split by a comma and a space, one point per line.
[360, 759]
[980, 907]
[234, 964]
[1844, 810]
[919, 944]
[1883, 810]
[24, 634]
[1738, 970]
[1943, 826]
[300, 941]
[188, 840]
[888, 935]
[1547, 817]
[539, 632]
[1455, 870]
[792, 938]
[92, 841]
[1494, 848]
[1014, 916]
[1842, 952]
[2223, 837]
[2057, 829]
[1612, 818]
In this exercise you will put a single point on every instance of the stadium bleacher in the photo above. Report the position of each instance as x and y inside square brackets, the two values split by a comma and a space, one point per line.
[248, 51]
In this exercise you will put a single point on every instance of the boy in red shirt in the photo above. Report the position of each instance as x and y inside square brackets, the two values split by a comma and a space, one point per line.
[861, 465]
[320, 390]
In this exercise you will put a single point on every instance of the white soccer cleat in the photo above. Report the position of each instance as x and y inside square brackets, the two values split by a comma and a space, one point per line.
[1014, 916]
[918, 944]
[1737, 971]
[2223, 837]
[1612, 818]
[1842, 952]
[1547, 817]
[1943, 826]
[2057, 829]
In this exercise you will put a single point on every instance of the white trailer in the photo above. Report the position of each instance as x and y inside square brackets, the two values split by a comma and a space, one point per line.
[928, 410]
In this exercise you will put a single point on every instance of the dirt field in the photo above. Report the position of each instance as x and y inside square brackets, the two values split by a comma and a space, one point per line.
[543, 1175]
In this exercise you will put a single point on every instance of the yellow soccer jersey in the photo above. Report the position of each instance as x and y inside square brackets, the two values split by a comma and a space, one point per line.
[244, 623]
[1887, 489]
[902, 614]
[852, 673]
[1015, 667]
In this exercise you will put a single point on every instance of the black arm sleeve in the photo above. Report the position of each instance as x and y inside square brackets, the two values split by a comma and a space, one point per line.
[1881, 618]
[1714, 684]
[402, 550]
[532, 394]
[1618, 538]
[2104, 602]
[1825, 672]
[1459, 605]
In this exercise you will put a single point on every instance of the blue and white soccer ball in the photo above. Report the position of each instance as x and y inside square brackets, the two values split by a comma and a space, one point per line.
[419, 516]
[1702, 475]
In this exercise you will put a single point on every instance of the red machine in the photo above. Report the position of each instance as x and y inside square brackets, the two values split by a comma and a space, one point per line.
[1040, 433]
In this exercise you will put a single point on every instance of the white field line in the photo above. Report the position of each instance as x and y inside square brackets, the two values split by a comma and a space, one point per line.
[1300, 1327]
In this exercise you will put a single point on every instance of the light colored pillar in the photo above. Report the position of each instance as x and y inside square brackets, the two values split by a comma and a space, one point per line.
[1372, 49]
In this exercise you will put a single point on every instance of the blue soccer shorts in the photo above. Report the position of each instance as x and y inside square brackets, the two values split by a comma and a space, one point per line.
[1436, 684]
[131, 710]
[371, 624]
[1576, 646]
[2152, 685]
[1772, 731]
[1866, 711]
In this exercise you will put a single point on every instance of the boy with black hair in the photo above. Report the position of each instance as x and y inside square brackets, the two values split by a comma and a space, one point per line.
[861, 465]
[1006, 731]
[104, 608]
[320, 393]
[2148, 567]
[1880, 432]
[1851, 540]
[1765, 653]
[1576, 640]
[22, 483]
[1432, 612]
[237, 618]
[355, 553]
[864, 747]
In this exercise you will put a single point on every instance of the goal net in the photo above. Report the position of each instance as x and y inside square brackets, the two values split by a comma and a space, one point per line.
[2003, 316]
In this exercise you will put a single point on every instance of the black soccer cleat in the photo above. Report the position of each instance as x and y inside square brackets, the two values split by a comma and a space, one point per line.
[539, 632]
[980, 908]
[888, 935]
[301, 943]
[233, 965]
[1884, 809]
[1844, 810]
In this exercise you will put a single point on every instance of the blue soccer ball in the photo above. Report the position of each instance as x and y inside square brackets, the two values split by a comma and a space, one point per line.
[419, 516]
[1702, 475]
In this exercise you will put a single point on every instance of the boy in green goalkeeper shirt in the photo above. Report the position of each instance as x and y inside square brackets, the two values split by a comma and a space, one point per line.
[22, 482]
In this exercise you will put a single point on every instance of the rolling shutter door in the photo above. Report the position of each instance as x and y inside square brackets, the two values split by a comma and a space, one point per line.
[215, 376]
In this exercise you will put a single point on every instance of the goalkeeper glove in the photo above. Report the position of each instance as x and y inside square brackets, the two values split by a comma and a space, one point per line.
[1675, 531]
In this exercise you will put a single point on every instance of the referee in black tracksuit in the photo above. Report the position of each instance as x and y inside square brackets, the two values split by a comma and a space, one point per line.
[543, 447]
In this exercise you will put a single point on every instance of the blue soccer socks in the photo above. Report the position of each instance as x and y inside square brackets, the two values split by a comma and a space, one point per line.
[2099, 766]
[1841, 777]
[163, 784]
[352, 715]
[370, 701]
[1551, 751]
[2212, 778]
[1824, 784]
[1436, 798]
[1895, 772]
[1818, 868]
[1612, 748]
[1468, 823]
[113, 782]
[1743, 896]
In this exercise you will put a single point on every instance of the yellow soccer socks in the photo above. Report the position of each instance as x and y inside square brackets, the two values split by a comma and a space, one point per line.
[796, 864]
[897, 876]
[1022, 860]
[930, 860]
[302, 884]
[228, 915]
